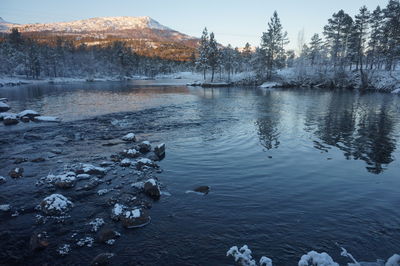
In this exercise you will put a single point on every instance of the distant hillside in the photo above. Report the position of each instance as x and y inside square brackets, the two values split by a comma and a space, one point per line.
[144, 35]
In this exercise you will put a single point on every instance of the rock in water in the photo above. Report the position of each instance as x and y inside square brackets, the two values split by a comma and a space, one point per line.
[38, 241]
[2, 180]
[144, 147]
[28, 113]
[4, 107]
[55, 204]
[5, 207]
[135, 218]
[159, 150]
[202, 189]
[152, 189]
[46, 119]
[17, 172]
[106, 234]
[10, 120]
[67, 180]
[103, 259]
[89, 169]
[129, 137]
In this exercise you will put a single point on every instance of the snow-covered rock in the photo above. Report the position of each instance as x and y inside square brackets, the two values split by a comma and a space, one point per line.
[96, 224]
[117, 211]
[152, 189]
[5, 207]
[10, 120]
[64, 249]
[102, 192]
[317, 259]
[145, 147]
[135, 218]
[17, 172]
[140, 163]
[29, 113]
[2, 180]
[89, 169]
[126, 162]
[270, 85]
[55, 204]
[66, 180]
[129, 137]
[86, 241]
[47, 119]
[159, 150]
[5, 114]
[396, 91]
[242, 256]
[131, 153]
[4, 107]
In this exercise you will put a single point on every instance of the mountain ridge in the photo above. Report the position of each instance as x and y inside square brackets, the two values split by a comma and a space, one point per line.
[145, 35]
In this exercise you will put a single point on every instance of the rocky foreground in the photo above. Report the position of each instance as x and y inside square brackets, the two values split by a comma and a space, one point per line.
[68, 186]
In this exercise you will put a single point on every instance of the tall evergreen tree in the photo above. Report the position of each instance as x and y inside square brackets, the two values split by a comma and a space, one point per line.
[337, 33]
[203, 50]
[272, 45]
[360, 32]
[376, 40]
[315, 48]
[213, 55]
[392, 33]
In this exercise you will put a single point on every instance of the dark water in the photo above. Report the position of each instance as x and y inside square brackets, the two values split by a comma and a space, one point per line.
[290, 170]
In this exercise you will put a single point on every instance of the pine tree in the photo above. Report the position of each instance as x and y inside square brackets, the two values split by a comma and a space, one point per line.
[377, 37]
[337, 34]
[392, 33]
[315, 48]
[213, 55]
[203, 50]
[272, 46]
[360, 32]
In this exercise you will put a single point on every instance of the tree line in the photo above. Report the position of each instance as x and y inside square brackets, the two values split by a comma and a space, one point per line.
[369, 41]
[20, 55]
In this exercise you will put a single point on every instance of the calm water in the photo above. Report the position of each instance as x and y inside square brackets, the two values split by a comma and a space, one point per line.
[290, 170]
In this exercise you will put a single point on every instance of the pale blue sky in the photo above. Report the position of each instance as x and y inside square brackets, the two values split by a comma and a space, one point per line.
[233, 21]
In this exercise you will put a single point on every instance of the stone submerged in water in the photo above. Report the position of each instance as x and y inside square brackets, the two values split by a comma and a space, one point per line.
[25, 119]
[152, 189]
[66, 180]
[202, 189]
[55, 204]
[106, 234]
[129, 137]
[103, 259]
[17, 172]
[2, 180]
[38, 241]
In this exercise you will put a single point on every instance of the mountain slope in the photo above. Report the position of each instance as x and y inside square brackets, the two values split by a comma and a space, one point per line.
[143, 34]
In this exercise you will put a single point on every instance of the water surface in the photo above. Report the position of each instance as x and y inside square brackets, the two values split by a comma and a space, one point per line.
[290, 170]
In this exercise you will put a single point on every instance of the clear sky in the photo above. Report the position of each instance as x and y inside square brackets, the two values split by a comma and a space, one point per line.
[233, 21]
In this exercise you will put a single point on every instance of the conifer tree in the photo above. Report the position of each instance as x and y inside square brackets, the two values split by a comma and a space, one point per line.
[202, 61]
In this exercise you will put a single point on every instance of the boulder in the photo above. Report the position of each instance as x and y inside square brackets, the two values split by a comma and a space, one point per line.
[89, 169]
[38, 241]
[126, 162]
[202, 189]
[2, 179]
[10, 120]
[144, 147]
[103, 259]
[159, 150]
[5, 114]
[135, 218]
[16, 172]
[152, 189]
[106, 234]
[131, 153]
[129, 137]
[140, 163]
[4, 107]
[28, 113]
[66, 180]
[55, 204]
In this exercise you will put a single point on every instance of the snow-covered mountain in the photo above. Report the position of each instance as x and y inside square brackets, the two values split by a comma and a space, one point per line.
[144, 34]
[5, 25]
